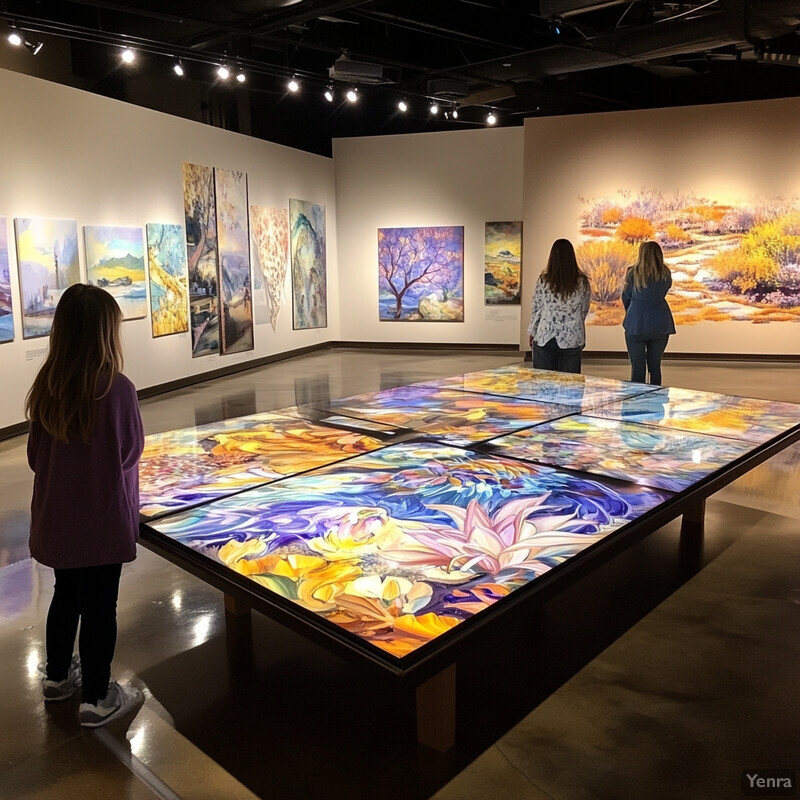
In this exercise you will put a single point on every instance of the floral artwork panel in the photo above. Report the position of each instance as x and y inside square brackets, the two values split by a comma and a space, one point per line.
[270, 232]
[6, 302]
[448, 414]
[47, 259]
[582, 392]
[643, 454]
[743, 418]
[421, 274]
[199, 208]
[182, 468]
[502, 263]
[115, 263]
[730, 261]
[233, 241]
[399, 546]
[308, 253]
[169, 279]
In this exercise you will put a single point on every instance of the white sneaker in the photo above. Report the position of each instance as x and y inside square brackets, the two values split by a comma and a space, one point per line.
[61, 690]
[119, 702]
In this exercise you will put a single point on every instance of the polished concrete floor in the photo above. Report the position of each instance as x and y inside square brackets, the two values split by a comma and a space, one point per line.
[665, 686]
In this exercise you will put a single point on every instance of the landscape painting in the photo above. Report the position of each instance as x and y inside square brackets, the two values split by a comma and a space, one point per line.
[201, 254]
[6, 305]
[309, 266]
[502, 259]
[233, 237]
[47, 258]
[421, 274]
[270, 232]
[730, 261]
[115, 262]
[169, 279]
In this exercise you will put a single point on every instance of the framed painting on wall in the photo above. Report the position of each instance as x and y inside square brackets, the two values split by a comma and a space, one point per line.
[270, 231]
[47, 258]
[6, 304]
[115, 262]
[201, 253]
[169, 279]
[309, 270]
[233, 238]
[502, 260]
[421, 274]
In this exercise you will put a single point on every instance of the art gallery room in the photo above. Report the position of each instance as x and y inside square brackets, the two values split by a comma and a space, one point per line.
[380, 556]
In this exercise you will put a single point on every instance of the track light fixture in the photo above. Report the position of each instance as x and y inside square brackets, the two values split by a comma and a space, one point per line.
[15, 37]
[128, 55]
[434, 109]
[293, 86]
[177, 68]
[34, 49]
[352, 95]
[223, 73]
[491, 119]
[454, 113]
[403, 106]
[329, 94]
[241, 77]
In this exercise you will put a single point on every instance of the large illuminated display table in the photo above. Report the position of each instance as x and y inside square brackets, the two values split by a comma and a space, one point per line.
[392, 527]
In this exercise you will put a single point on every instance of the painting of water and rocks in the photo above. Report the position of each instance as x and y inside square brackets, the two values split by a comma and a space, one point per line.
[169, 279]
[6, 305]
[421, 274]
[502, 257]
[309, 265]
[47, 257]
[737, 261]
[233, 236]
[115, 262]
[201, 253]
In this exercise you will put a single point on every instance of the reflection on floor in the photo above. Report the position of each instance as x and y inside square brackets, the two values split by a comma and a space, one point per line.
[702, 688]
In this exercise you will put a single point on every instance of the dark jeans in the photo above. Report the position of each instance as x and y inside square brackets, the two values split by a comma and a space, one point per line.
[560, 359]
[645, 354]
[87, 595]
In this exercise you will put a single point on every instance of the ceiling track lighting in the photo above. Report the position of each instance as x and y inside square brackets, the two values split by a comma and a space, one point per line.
[223, 73]
[352, 95]
[241, 77]
[329, 94]
[15, 37]
[403, 106]
[293, 86]
[434, 109]
[491, 119]
[34, 49]
[128, 55]
[177, 68]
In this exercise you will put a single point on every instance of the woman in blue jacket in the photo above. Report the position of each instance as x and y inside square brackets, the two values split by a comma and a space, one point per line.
[648, 320]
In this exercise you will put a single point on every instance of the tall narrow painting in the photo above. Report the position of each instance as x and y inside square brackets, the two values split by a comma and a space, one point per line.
[421, 274]
[115, 262]
[47, 257]
[6, 306]
[270, 231]
[201, 253]
[169, 279]
[309, 271]
[502, 257]
[233, 237]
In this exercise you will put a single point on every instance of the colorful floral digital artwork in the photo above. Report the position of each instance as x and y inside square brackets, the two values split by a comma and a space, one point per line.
[401, 545]
[703, 412]
[448, 414]
[185, 467]
[659, 457]
[564, 388]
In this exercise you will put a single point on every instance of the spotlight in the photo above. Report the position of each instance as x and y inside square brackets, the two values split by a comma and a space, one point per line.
[329, 94]
[454, 113]
[14, 37]
[34, 49]
[555, 27]
[491, 119]
[177, 68]
[352, 95]
[128, 56]
[223, 72]
[293, 86]
[402, 106]
[241, 77]
[434, 109]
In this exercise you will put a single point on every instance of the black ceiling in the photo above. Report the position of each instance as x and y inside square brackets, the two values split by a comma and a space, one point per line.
[518, 58]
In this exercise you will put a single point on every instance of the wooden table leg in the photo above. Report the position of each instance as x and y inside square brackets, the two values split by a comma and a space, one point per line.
[235, 607]
[690, 549]
[436, 710]
[238, 635]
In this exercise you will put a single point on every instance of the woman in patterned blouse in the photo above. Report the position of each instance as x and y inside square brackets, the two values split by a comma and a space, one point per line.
[560, 305]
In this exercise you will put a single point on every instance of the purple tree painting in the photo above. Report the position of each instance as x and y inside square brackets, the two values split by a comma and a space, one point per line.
[421, 274]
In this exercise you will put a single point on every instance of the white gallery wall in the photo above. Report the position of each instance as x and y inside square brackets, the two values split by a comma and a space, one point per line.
[425, 180]
[726, 153]
[69, 154]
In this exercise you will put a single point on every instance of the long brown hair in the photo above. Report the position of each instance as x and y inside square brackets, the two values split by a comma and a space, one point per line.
[85, 356]
[562, 273]
[649, 266]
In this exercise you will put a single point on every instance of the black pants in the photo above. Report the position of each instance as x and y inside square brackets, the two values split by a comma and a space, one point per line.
[645, 353]
[87, 595]
[560, 359]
